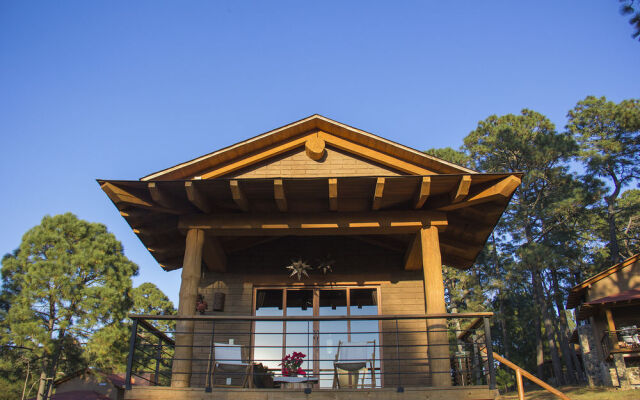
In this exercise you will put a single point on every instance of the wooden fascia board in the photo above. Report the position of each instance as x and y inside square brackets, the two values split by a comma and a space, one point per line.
[390, 222]
[374, 155]
[209, 161]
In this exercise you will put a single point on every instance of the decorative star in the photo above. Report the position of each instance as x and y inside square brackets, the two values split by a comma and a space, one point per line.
[299, 268]
[325, 266]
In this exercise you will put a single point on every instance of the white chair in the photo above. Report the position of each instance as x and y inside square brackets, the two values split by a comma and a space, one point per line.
[351, 363]
[228, 358]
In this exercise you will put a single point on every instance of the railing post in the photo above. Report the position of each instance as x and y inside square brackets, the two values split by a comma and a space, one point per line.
[159, 357]
[519, 382]
[489, 346]
[132, 348]
[400, 388]
[211, 355]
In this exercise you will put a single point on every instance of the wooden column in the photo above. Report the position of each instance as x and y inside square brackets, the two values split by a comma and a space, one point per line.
[613, 336]
[438, 350]
[181, 376]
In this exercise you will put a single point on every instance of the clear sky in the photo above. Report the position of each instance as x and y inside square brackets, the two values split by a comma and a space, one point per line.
[117, 90]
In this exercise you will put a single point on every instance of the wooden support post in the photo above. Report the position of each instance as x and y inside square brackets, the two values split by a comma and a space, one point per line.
[519, 382]
[438, 341]
[181, 371]
[613, 337]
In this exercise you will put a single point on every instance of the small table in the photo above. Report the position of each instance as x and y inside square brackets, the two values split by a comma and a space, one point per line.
[295, 382]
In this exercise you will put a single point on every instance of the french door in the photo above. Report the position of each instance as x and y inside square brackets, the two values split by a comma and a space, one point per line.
[317, 339]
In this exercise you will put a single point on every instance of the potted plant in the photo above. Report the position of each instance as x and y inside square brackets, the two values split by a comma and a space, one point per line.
[292, 364]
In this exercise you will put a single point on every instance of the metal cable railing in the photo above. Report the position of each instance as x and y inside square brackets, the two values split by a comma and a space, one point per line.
[372, 352]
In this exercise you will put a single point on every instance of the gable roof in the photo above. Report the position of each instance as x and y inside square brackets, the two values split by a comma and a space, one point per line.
[294, 135]
[576, 293]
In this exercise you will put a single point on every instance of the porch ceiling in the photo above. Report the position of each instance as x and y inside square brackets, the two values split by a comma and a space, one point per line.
[377, 209]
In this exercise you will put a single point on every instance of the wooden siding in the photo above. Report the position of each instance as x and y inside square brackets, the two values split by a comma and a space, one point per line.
[623, 279]
[356, 264]
[297, 164]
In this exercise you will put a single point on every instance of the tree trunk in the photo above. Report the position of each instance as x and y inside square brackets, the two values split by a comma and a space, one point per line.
[614, 248]
[506, 340]
[548, 328]
[42, 384]
[575, 374]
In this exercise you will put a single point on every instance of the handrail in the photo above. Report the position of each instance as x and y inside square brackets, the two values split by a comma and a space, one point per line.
[309, 318]
[521, 372]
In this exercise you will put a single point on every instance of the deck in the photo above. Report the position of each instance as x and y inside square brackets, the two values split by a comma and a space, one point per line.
[410, 393]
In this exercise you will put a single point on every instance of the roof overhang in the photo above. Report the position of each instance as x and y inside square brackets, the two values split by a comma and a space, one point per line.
[241, 213]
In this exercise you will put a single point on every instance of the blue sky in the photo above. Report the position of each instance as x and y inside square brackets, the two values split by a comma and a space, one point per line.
[113, 89]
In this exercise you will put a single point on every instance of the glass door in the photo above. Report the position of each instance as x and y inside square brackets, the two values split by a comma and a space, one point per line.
[318, 340]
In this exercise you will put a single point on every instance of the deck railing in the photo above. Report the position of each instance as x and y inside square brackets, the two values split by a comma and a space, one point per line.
[398, 353]
[623, 340]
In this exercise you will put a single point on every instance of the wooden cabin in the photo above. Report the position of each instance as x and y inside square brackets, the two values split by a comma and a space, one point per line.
[304, 231]
[607, 309]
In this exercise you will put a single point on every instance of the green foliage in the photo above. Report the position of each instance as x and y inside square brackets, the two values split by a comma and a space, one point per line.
[108, 347]
[451, 155]
[67, 279]
[609, 138]
[629, 7]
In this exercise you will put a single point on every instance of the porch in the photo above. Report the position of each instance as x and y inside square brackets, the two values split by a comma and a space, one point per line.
[391, 353]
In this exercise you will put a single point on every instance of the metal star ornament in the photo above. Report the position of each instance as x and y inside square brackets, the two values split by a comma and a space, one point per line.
[299, 268]
[325, 266]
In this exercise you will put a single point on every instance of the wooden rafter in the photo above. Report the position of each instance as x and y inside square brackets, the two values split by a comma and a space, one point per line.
[197, 198]
[423, 192]
[279, 195]
[377, 195]
[333, 194]
[238, 195]
[120, 196]
[462, 190]
[162, 197]
[500, 191]
[383, 242]
[378, 223]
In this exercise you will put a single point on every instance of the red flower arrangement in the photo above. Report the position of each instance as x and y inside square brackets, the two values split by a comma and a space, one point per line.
[291, 364]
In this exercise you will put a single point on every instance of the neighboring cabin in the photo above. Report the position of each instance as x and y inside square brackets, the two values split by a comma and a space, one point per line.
[608, 315]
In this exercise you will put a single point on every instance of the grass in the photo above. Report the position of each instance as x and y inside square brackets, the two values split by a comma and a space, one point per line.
[578, 393]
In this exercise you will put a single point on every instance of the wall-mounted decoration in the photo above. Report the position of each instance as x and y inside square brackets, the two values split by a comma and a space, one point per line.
[299, 268]
[326, 265]
[218, 301]
[201, 305]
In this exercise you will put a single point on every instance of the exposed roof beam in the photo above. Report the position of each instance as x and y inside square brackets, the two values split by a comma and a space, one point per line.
[500, 191]
[423, 192]
[333, 194]
[383, 242]
[378, 223]
[197, 198]
[121, 196]
[163, 198]
[377, 195]
[278, 193]
[238, 196]
[462, 190]
[458, 249]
